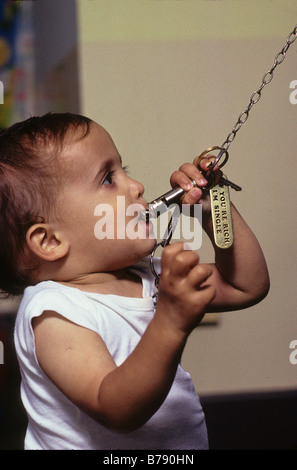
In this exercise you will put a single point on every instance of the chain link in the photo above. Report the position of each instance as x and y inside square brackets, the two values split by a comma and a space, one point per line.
[280, 57]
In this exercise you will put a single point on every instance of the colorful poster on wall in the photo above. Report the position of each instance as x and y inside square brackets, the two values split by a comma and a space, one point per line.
[16, 61]
[9, 13]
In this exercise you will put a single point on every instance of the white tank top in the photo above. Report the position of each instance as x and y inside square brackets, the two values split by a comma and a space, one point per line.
[54, 422]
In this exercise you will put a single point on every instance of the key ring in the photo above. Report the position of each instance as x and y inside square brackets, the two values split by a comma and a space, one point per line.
[213, 177]
[223, 151]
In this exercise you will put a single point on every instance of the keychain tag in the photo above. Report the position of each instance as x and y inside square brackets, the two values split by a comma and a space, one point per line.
[221, 215]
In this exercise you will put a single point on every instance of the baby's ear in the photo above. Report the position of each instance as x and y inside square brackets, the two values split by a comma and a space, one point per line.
[46, 243]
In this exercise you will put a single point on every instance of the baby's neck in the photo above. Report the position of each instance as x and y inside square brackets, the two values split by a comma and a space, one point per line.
[122, 283]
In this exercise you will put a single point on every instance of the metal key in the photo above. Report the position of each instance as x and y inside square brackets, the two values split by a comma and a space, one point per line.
[216, 177]
[223, 181]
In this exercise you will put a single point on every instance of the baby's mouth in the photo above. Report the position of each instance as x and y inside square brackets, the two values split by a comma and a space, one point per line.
[146, 214]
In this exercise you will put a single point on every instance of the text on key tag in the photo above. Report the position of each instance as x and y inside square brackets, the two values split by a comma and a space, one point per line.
[221, 215]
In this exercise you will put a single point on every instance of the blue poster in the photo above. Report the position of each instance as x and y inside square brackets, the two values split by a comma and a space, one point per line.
[9, 13]
[9, 17]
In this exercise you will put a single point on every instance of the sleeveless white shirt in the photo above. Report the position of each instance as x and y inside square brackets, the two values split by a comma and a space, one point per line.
[54, 422]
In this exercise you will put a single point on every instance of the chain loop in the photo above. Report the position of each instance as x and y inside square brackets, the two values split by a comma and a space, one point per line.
[279, 58]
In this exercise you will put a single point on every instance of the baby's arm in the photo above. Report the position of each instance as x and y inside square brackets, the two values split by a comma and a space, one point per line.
[123, 398]
[239, 275]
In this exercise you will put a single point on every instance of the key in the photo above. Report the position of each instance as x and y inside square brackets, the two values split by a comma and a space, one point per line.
[217, 177]
[225, 182]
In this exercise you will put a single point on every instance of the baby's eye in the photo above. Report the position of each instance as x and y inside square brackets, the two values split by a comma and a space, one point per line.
[110, 175]
[109, 178]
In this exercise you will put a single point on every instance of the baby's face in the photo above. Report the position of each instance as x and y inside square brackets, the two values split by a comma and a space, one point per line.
[99, 207]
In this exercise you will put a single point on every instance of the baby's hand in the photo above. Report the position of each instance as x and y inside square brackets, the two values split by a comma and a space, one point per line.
[183, 290]
[188, 173]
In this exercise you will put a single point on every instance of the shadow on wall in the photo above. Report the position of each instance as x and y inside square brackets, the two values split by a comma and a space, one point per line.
[12, 415]
[252, 421]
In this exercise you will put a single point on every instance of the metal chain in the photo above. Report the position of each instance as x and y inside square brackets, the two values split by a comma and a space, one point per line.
[257, 94]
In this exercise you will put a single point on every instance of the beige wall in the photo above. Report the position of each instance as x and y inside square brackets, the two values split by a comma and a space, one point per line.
[168, 79]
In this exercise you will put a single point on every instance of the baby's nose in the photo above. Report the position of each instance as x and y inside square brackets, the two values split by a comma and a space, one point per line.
[137, 188]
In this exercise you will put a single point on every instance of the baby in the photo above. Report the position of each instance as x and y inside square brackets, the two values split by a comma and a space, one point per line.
[100, 363]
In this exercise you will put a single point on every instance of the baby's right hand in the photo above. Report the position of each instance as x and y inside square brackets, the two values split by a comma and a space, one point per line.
[183, 290]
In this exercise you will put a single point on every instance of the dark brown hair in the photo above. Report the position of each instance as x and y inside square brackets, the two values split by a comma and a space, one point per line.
[28, 174]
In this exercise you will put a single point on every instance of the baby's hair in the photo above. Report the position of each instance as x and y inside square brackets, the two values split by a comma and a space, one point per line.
[28, 174]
